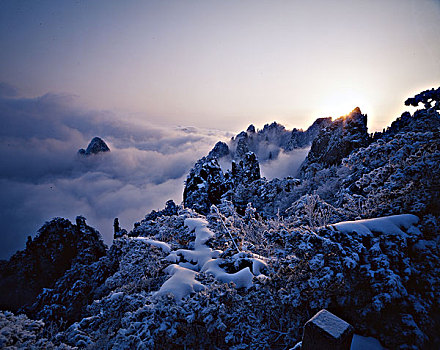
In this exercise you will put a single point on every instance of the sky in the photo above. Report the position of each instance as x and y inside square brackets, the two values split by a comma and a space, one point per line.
[224, 63]
[162, 81]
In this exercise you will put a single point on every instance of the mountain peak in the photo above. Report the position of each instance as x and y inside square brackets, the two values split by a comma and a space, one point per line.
[339, 139]
[357, 110]
[97, 145]
[251, 128]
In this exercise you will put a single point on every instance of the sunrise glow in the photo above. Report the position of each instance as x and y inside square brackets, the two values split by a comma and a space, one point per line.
[340, 102]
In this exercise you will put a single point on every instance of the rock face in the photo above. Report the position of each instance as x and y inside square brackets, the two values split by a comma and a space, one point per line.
[97, 145]
[301, 139]
[338, 140]
[205, 185]
[220, 150]
[247, 170]
[57, 246]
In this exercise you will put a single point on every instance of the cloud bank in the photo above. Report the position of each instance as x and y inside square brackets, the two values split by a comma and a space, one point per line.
[286, 164]
[43, 177]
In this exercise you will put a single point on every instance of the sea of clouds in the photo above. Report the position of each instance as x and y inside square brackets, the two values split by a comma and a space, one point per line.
[43, 177]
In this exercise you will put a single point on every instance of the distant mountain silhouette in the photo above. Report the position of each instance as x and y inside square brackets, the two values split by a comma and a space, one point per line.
[97, 145]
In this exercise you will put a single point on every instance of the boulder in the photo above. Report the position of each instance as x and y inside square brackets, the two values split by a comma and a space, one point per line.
[326, 331]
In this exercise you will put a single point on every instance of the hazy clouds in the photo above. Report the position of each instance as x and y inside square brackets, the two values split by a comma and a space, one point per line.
[286, 164]
[43, 177]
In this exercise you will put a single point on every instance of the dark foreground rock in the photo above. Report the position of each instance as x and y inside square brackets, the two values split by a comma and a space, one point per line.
[58, 245]
[326, 331]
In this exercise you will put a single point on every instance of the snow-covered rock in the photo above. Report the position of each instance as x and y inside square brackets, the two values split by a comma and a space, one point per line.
[338, 140]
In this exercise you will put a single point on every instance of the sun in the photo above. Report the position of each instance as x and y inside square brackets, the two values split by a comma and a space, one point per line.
[340, 102]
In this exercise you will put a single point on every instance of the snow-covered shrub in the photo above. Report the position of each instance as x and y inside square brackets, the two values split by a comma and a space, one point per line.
[19, 332]
[401, 175]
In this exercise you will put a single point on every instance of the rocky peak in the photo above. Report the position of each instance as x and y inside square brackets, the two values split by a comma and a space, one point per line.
[55, 248]
[251, 129]
[274, 126]
[356, 110]
[118, 231]
[274, 133]
[97, 145]
[204, 185]
[301, 139]
[247, 170]
[338, 139]
[220, 150]
[273, 136]
[242, 148]
[319, 124]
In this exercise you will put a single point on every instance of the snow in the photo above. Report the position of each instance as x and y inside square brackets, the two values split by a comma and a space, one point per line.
[165, 247]
[257, 266]
[198, 256]
[204, 259]
[181, 283]
[198, 225]
[242, 278]
[257, 261]
[117, 295]
[385, 225]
